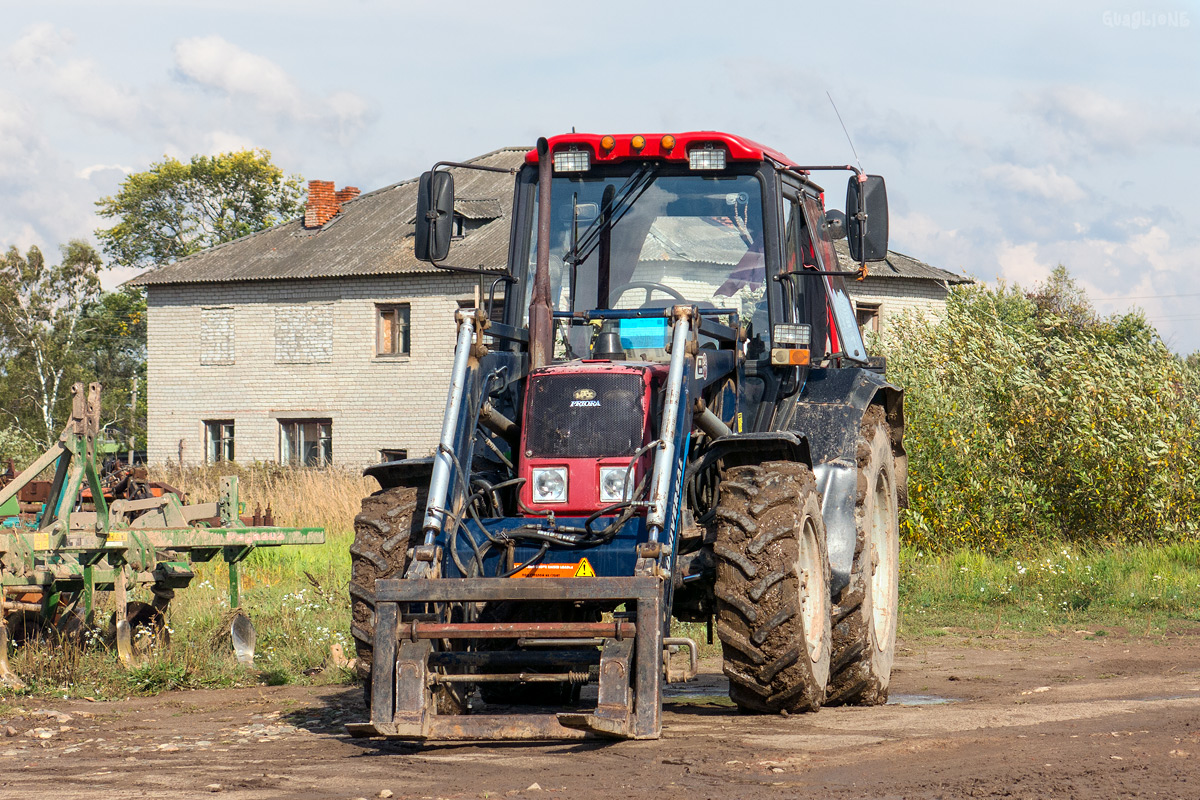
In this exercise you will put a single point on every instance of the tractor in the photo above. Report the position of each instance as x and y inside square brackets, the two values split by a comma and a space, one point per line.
[664, 410]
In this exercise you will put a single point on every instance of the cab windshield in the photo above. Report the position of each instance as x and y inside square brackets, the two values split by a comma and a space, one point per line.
[638, 239]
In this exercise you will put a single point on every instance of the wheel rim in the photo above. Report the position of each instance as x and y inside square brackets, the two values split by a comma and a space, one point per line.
[813, 600]
[883, 575]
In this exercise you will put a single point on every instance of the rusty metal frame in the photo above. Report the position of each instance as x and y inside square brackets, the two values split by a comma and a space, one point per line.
[402, 705]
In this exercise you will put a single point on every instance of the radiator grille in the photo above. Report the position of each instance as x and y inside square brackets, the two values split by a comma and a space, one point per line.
[564, 420]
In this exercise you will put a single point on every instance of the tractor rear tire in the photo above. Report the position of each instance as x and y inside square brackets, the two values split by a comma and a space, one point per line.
[389, 519]
[865, 612]
[772, 588]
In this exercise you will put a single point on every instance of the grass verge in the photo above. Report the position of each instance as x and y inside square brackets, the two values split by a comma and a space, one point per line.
[298, 601]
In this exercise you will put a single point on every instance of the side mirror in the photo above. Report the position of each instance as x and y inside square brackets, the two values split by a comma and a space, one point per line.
[835, 224]
[869, 241]
[435, 216]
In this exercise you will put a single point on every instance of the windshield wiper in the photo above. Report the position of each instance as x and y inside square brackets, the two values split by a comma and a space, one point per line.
[623, 200]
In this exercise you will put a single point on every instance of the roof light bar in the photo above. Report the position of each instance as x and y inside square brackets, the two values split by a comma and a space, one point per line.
[571, 161]
[707, 157]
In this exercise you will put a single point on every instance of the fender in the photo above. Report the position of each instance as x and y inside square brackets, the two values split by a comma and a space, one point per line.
[414, 472]
[828, 412]
[741, 449]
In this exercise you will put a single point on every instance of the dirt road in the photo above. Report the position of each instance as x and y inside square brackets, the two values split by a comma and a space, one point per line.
[1067, 716]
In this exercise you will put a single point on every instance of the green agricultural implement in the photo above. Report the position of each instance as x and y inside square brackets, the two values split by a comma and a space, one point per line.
[55, 561]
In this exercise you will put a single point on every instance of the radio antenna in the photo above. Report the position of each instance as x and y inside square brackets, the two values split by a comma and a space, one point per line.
[843, 124]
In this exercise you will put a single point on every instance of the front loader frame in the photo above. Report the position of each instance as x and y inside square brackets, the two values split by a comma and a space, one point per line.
[630, 672]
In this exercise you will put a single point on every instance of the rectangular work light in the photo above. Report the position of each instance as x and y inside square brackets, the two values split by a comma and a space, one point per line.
[791, 335]
[706, 158]
[571, 161]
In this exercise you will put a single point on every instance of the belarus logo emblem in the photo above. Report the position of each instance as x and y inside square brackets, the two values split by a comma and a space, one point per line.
[585, 398]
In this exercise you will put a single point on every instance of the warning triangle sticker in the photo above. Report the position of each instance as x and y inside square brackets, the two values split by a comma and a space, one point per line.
[584, 570]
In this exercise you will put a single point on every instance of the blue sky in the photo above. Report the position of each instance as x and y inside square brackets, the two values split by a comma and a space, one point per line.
[1013, 136]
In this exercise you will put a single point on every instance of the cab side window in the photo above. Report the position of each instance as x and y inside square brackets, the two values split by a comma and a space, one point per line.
[803, 294]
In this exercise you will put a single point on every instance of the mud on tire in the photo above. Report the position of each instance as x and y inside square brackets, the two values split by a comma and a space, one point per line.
[864, 632]
[380, 550]
[772, 588]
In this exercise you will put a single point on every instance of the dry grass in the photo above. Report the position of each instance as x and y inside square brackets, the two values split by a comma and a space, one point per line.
[327, 498]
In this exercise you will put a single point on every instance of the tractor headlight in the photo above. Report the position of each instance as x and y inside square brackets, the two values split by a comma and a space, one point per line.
[550, 485]
[612, 484]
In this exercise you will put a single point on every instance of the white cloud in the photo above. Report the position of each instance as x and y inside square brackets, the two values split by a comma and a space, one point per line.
[213, 62]
[1109, 124]
[922, 237]
[1044, 181]
[1019, 263]
[77, 83]
[37, 45]
[87, 172]
[227, 142]
[21, 143]
[219, 65]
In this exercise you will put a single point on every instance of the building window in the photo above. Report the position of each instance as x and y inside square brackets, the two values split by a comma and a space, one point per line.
[219, 437]
[305, 442]
[868, 316]
[392, 454]
[304, 334]
[391, 330]
[216, 336]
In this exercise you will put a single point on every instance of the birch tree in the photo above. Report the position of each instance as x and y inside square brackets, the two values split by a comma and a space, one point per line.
[41, 314]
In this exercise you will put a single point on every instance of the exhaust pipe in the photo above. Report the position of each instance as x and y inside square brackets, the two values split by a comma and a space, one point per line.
[541, 318]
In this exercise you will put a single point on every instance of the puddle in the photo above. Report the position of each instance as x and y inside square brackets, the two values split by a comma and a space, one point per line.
[705, 690]
[919, 700]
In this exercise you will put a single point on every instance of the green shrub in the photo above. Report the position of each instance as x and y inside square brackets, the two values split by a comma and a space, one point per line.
[1028, 418]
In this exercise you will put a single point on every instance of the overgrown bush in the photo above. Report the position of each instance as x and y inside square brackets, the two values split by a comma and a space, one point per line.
[1029, 417]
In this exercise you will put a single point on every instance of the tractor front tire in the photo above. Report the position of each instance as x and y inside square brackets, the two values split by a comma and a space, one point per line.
[382, 531]
[772, 588]
[865, 612]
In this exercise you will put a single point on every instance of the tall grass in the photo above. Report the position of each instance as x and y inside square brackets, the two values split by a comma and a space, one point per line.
[328, 497]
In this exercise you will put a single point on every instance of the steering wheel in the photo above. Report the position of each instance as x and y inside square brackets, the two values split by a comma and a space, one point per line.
[648, 286]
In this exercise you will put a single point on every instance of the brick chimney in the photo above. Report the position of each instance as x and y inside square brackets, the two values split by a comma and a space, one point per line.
[324, 202]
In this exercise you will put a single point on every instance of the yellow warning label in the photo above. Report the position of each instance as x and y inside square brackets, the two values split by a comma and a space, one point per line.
[115, 539]
[581, 570]
[41, 541]
[739, 421]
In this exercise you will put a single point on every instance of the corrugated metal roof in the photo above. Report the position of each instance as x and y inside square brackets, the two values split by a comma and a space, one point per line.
[371, 236]
[899, 265]
[479, 208]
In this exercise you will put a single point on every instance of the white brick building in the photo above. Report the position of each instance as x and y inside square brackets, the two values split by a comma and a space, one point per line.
[321, 339]
[324, 339]
[902, 283]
